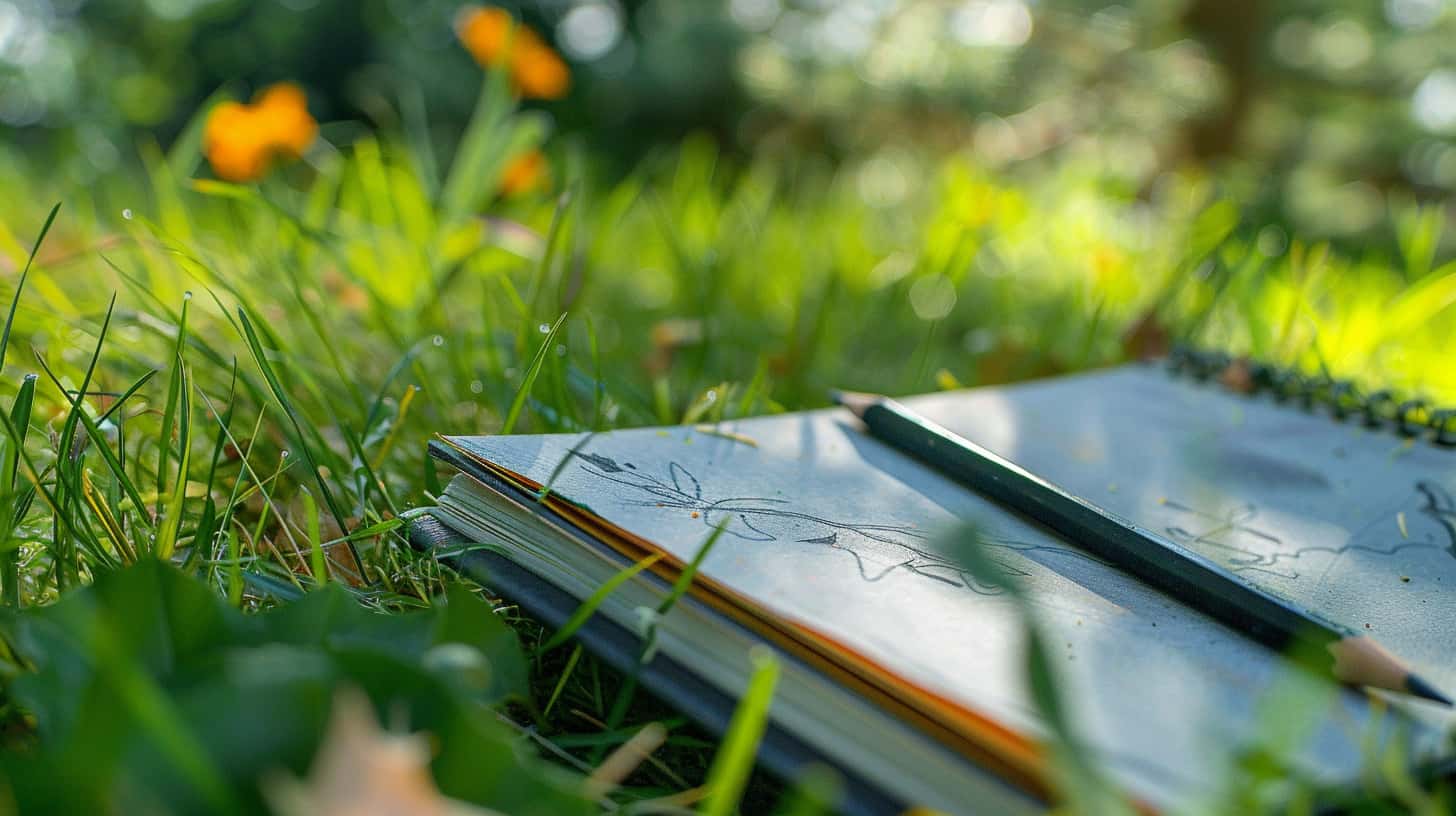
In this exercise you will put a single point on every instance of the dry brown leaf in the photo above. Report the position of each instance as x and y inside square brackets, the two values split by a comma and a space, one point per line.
[362, 770]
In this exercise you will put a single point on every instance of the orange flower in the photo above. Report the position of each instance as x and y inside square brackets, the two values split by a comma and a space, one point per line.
[241, 141]
[539, 73]
[284, 108]
[524, 173]
[496, 40]
[485, 33]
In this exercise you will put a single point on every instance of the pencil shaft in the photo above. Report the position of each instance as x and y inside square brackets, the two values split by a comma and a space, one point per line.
[1187, 576]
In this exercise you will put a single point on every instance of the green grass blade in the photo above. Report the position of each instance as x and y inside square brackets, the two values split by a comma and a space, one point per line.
[814, 793]
[530, 379]
[20, 283]
[315, 538]
[15, 502]
[561, 680]
[235, 569]
[169, 413]
[685, 578]
[171, 522]
[36, 477]
[99, 442]
[479, 156]
[728, 775]
[20, 415]
[281, 397]
[126, 395]
[186, 151]
[589, 606]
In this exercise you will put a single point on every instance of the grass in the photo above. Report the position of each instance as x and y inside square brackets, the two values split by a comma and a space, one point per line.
[241, 380]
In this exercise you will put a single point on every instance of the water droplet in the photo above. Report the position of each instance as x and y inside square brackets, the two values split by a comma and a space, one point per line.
[476, 386]
[711, 396]
[560, 350]
[126, 213]
[543, 328]
[283, 454]
[438, 340]
[187, 295]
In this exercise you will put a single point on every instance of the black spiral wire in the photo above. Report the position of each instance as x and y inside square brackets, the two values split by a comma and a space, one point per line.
[1408, 416]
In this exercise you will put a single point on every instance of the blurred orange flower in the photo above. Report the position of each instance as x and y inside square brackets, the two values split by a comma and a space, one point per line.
[524, 173]
[241, 141]
[496, 40]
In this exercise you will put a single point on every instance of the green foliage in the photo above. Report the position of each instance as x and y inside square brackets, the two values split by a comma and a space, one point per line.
[167, 696]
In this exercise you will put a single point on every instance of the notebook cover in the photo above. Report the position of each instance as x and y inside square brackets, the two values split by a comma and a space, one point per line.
[779, 751]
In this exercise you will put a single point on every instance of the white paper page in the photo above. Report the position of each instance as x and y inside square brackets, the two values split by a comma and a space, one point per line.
[1356, 524]
[831, 528]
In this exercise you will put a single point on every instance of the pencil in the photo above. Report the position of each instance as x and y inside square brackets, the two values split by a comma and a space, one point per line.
[1186, 576]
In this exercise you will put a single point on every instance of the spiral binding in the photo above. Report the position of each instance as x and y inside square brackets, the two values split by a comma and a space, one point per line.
[1409, 416]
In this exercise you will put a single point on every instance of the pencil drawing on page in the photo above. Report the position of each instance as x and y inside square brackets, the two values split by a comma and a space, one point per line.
[878, 550]
[1236, 540]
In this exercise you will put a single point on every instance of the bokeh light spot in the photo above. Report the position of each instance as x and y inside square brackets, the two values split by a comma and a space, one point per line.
[932, 297]
[590, 30]
[992, 23]
[1434, 102]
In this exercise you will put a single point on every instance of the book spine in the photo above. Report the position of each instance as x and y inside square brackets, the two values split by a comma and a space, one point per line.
[1407, 415]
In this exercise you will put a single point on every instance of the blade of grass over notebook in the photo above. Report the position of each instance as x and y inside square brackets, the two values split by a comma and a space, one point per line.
[589, 606]
[529, 378]
[734, 760]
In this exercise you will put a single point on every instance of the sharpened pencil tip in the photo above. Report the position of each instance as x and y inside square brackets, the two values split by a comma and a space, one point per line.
[856, 401]
[1420, 688]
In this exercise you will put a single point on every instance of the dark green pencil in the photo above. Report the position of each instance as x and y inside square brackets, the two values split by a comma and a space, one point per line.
[1186, 576]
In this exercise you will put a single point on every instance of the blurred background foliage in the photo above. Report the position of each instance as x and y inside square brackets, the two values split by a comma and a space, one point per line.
[1314, 113]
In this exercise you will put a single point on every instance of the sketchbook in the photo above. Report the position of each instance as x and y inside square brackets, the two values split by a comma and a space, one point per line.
[902, 669]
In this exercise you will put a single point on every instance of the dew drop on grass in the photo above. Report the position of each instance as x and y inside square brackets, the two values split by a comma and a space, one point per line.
[476, 386]
[438, 340]
[283, 454]
[126, 213]
[187, 295]
[543, 328]
[560, 350]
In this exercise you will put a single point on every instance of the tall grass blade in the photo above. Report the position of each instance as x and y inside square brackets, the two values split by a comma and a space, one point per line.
[281, 397]
[532, 370]
[16, 501]
[169, 413]
[171, 521]
[235, 569]
[728, 775]
[99, 443]
[315, 539]
[20, 283]
[589, 606]
[1083, 786]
